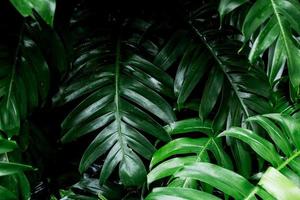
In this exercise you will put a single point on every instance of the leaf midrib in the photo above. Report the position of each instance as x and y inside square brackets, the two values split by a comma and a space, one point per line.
[222, 66]
[280, 167]
[282, 30]
[199, 156]
[15, 62]
[117, 96]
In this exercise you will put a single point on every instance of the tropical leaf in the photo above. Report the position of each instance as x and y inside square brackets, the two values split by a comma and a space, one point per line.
[166, 193]
[227, 6]
[91, 186]
[14, 184]
[231, 88]
[45, 8]
[278, 185]
[122, 102]
[24, 81]
[282, 130]
[225, 180]
[278, 25]
[178, 153]
[209, 60]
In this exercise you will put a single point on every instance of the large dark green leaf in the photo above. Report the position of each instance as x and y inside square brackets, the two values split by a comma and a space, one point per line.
[24, 82]
[122, 103]
[211, 60]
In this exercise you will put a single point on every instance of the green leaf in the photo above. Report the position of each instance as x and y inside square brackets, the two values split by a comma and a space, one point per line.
[257, 15]
[260, 145]
[265, 38]
[191, 69]
[5, 194]
[211, 92]
[178, 146]
[174, 48]
[167, 193]
[123, 102]
[278, 185]
[289, 125]
[226, 6]
[189, 126]
[7, 145]
[24, 186]
[277, 61]
[45, 8]
[281, 16]
[169, 167]
[24, 83]
[8, 168]
[221, 178]
[275, 133]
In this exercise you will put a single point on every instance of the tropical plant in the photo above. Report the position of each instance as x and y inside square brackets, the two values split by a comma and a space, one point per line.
[198, 100]
[14, 184]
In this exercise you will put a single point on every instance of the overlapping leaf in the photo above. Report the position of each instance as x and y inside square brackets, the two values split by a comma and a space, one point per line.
[211, 61]
[283, 132]
[45, 8]
[18, 187]
[122, 103]
[24, 79]
[175, 155]
[279, 27]
[231, 88]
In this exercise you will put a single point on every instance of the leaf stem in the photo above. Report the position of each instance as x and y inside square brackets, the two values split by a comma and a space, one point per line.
[222, 66]
[280, 167]
[117, 93]
[287, 161]
[198, 159]
[13, 72]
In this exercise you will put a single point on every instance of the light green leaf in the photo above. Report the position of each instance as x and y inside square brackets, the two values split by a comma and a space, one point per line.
[278, 185]
[175, 193]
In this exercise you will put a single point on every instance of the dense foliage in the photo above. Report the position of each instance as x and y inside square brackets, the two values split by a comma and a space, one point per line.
[157, 100]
